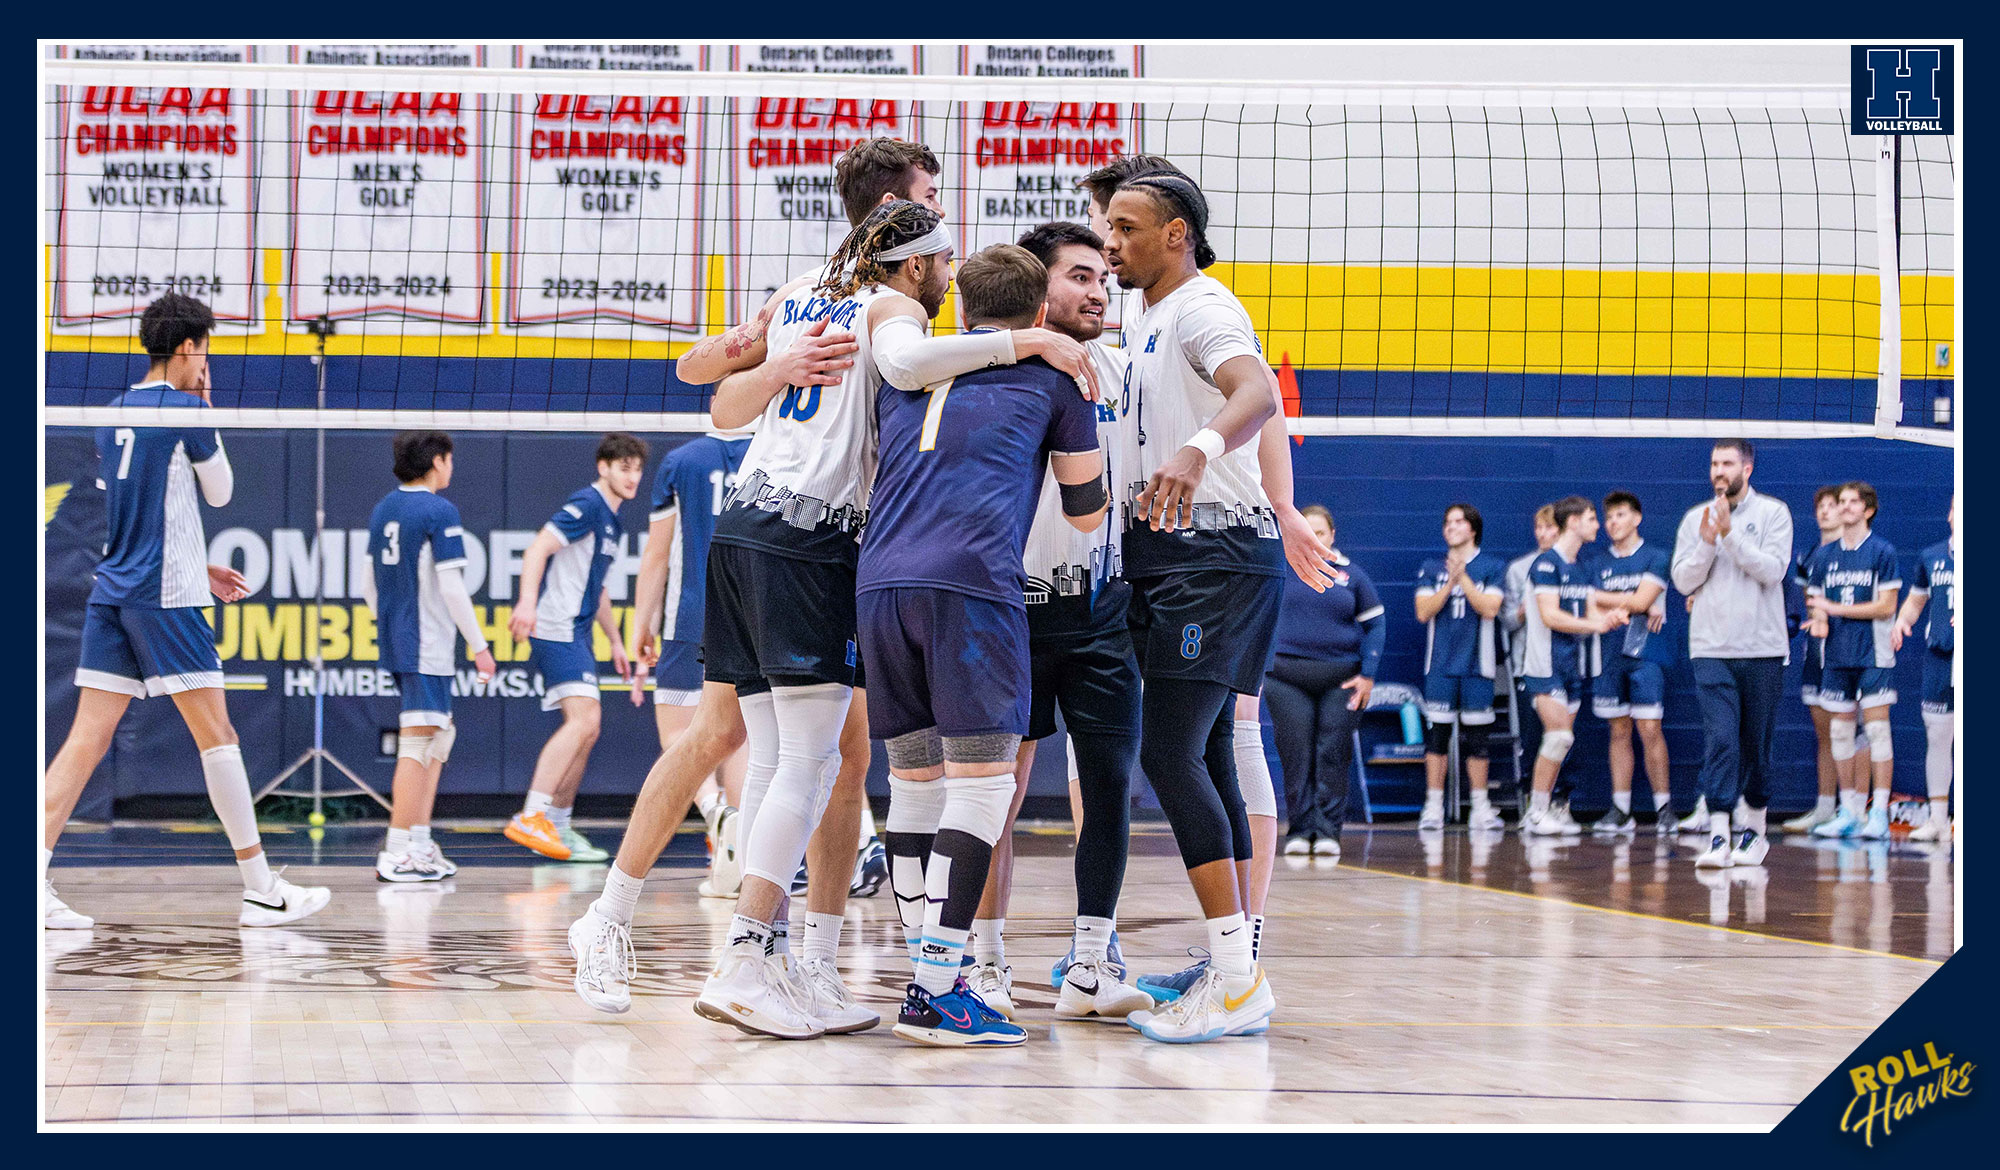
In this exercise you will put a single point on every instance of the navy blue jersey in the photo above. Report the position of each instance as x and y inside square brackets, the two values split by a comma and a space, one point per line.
[1314, 624]
[1458, 641]
[587, 527]
[1613, 573]
[1856, 576]
[1547, 649]
[1937, 576]
[155, 555]
[960, 471]
[690, 486]
[412, 534]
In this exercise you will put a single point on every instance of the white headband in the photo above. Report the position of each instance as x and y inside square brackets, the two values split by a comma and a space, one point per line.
[938, 239]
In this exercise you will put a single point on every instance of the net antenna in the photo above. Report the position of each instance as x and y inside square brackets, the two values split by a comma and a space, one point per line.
[318, 755]
[1565, 260]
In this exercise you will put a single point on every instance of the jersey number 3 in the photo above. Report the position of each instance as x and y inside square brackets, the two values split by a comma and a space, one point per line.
[392, 542]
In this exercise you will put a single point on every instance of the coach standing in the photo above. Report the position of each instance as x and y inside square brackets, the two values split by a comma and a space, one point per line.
[1730, 558]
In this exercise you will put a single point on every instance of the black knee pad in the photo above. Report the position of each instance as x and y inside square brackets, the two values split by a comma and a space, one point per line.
[1437, 739]
[1472, 739]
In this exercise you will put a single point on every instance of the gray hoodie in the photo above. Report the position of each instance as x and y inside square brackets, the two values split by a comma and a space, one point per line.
[1738, 583]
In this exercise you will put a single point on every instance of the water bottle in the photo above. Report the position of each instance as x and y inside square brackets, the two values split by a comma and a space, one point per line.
[1413, 724]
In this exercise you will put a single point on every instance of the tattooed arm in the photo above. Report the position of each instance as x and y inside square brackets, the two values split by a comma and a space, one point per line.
[740, 347]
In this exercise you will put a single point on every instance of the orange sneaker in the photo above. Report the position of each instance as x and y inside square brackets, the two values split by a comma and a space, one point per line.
[534, 831]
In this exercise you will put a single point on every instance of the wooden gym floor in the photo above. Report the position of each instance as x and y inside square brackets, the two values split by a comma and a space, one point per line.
[1426, 978]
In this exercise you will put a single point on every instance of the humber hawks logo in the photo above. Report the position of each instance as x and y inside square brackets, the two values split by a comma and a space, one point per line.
[1904, 89]
[1895, 1087]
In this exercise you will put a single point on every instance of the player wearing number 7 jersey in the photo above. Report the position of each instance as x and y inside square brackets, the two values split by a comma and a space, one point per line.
[944, 622]
[144, 634]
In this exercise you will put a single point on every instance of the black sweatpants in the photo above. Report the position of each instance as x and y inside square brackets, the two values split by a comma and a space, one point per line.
[1315, 734]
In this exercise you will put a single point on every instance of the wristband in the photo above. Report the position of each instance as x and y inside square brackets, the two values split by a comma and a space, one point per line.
[1208, 443]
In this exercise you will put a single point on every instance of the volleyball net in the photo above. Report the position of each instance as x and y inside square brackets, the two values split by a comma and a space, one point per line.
[489, 245]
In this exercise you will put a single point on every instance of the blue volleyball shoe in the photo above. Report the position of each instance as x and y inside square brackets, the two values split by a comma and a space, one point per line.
[1063, 964]
[956, 1019]
[1166, 989]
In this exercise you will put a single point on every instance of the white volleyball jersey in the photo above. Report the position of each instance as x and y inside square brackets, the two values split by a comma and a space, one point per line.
[1174, 348]
[1061, 561]
[803, 488]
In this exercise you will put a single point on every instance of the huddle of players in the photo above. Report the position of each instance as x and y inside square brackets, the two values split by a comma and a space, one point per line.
[942, 443]
[1563, 610]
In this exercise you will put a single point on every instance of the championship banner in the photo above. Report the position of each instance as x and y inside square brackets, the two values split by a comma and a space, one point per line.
[1028, 157]
[605, 205]
[389, 193]
[782, 153]
[158, 193]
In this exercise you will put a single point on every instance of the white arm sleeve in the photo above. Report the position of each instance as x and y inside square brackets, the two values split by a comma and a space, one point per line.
[218, 482]
[458, 603]
[367, 585]
[911, 360]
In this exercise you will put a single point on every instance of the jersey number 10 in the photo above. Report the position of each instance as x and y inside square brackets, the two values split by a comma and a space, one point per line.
[797, 406]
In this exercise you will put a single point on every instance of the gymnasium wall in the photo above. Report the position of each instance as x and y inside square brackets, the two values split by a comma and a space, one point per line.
[1387, 496]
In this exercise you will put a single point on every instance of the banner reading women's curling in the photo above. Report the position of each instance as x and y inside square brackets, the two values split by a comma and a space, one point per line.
[157, 194]
[605, 205]
[389, 193]
[782, 153]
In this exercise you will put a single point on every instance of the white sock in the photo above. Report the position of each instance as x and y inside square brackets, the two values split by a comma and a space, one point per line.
[559, 817]
[1256, 937]
[1433, 798]
[743, 929]
[1663, 803]
[1480, 800]
[989, 944]
[1756, 820]
[47, 854]
[1940, 811]
[229, 794]
[420, 836]
[1718, 824]
[1093, 937]
[781, 933]
[707, 803]
[620, 898]
[823, 935]
[1855, 804]
[1229, 945]
[538, 802]
[398, 843]
[257, 875]
[1538, 805]
[868, 829]
[1823, 807]
[1882, 801]
[1622, 801]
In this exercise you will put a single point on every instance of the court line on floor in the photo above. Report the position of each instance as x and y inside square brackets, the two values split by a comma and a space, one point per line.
[713, 1082]
[1640, 914]
[1090, 1025]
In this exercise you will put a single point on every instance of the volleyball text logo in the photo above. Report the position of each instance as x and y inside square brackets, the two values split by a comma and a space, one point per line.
[1905, 89]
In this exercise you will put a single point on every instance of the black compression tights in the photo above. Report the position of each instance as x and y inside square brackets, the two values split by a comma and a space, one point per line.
[1186, 748]
[1104, 773]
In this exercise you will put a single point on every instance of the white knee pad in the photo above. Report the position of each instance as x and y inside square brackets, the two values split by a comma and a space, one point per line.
[1840, 738]
[915, 806]
[808, 721]
[414, 747]
[1939, 732]
[1555, 746]
[1253, 770]
[441, 741]
[1881, 745]
[760, 723]
[977, 805]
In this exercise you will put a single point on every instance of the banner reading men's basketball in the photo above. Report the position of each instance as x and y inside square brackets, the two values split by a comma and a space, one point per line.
[158, 194]
[782, 154]
[605, 205]
[1029, 157]
[389, 193]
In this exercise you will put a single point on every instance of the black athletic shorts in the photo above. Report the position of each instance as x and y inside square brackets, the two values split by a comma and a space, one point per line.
[1211, 625]
[774, 618]
[1082, 658]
